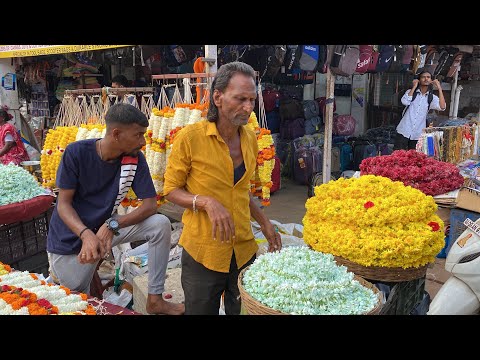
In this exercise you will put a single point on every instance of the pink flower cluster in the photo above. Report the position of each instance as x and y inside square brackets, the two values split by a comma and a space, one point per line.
[415, 169]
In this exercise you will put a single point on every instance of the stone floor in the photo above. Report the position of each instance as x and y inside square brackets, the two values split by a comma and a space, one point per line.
[288, 205]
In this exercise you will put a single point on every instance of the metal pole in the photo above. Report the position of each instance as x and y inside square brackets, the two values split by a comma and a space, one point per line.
[327, 146]
[452, 93]
[457, 100]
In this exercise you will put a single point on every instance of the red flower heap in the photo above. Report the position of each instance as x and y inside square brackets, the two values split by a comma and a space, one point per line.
[415, 169]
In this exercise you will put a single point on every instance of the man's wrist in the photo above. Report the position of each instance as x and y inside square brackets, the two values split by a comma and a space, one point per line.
[113, 225]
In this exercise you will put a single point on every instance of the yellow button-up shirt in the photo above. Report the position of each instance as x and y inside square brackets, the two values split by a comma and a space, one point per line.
[200, 163]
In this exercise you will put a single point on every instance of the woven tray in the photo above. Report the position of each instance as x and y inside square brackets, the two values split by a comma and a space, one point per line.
[254, 307]
[379, 273]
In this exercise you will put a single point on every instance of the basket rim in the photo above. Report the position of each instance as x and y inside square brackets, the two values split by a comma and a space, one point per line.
[381, 273]
[252, 304]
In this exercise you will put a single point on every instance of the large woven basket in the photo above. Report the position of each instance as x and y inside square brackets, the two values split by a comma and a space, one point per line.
[255, 307]
[379, 273]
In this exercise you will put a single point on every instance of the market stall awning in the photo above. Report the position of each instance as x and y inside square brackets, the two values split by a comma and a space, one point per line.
[9, 51]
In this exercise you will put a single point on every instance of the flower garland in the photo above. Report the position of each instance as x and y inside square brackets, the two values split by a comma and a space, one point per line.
[4, 269]
[297, 280]
[55, 143]
[261, 182]
[22, 293]
[157, 141]
[415, 169]
[374, 221]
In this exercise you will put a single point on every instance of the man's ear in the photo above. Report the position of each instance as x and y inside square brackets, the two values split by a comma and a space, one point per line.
[115, 133]
[216, 97]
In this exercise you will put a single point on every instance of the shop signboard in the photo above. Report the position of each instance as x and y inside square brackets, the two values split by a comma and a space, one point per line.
[10, 51]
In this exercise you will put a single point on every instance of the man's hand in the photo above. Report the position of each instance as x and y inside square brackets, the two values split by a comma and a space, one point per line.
[273, 237]
[105, 235]
[92, 249]
[414, 84]
[436, 83]
[221, 220]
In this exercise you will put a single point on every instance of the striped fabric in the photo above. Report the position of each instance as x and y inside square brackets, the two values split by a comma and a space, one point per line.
[127, 174]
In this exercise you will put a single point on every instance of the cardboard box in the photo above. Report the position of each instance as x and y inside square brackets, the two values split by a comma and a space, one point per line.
[469, 199]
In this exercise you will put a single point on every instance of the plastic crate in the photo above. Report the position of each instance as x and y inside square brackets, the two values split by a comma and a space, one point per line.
[457, 217]
[23, 244]
[402, 297]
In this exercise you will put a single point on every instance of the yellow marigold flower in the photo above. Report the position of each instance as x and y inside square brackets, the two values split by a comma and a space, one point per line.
[374, 221]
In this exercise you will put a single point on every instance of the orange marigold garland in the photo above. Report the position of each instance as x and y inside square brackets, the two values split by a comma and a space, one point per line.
[261, 183]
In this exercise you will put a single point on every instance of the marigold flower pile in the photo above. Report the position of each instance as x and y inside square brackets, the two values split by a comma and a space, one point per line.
[261, 184]
[297, 280]
[415, 169]
[374, 221]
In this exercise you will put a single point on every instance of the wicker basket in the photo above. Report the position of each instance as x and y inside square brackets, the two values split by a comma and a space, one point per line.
[254, 307]
[380, 273]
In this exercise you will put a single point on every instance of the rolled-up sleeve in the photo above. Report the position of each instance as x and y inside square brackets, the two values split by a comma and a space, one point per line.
[179, 163]
[406, 100]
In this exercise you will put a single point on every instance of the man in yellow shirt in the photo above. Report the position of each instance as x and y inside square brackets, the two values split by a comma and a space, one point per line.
[208, 173]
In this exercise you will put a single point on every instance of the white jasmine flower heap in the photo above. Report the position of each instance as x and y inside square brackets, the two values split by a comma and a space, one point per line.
[300, 281]
[17, 184]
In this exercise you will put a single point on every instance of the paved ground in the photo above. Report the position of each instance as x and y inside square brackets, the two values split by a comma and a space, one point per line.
[288, 206]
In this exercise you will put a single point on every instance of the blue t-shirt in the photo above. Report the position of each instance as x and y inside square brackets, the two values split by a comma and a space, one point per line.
[96, 184]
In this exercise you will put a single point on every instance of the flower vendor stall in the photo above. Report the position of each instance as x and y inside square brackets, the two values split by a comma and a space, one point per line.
[82, 117]
[300, 281]
[379, 228]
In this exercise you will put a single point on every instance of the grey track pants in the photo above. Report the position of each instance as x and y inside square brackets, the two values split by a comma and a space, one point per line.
[156, 230]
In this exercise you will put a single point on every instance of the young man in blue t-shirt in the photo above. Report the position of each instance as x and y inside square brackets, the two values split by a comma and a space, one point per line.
[93, 177]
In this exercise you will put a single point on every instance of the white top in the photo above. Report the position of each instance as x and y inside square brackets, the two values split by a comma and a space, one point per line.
[8, 137]
[415, 118]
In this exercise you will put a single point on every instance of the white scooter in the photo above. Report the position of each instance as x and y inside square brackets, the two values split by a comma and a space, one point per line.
[460, 295]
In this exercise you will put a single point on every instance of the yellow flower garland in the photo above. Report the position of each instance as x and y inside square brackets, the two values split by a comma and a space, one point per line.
[55, 143]
[261, 182]
[374, 221]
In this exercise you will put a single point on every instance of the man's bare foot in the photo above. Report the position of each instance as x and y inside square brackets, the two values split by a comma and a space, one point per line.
[156, 305]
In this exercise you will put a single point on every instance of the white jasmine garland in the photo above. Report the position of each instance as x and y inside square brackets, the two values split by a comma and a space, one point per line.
[53, 293]
[6, 309]
[298, 280]
[195, 116]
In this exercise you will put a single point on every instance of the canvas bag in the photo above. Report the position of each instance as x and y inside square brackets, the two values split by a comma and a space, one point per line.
[457, 60]
[292, 129]
[343, 125]
[386, 54]
[364, 59]
[373, 61]
[397, 61]
[344, 60]
[307, 58]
